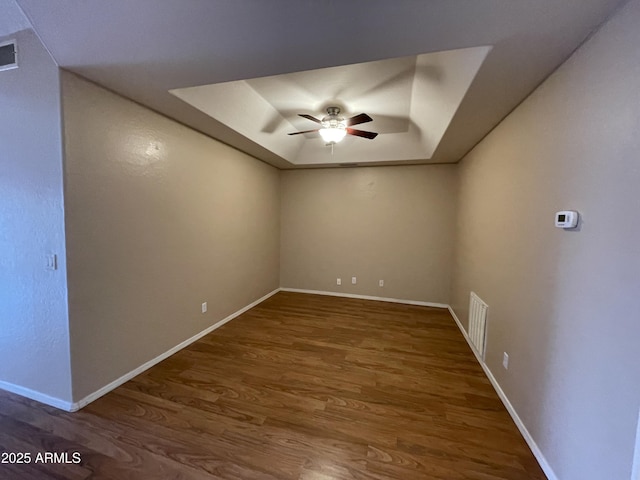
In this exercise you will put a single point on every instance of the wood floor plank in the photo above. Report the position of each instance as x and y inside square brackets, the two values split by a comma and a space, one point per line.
[301, 387]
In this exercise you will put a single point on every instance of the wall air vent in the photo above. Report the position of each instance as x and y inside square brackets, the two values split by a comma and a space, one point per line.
[8, 55]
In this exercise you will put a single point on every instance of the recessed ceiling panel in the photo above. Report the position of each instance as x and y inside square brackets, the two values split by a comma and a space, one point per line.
[410, 99]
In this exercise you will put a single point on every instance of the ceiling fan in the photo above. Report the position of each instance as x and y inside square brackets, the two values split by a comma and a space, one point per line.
[335, 128]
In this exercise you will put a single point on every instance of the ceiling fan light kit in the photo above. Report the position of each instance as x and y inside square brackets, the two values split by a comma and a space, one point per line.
[333, 134]
[335, 128]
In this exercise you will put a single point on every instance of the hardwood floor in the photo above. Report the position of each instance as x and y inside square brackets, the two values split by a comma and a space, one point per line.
[300, 387]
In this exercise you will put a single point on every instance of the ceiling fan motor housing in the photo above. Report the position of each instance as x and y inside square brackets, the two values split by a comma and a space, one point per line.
[332, 120]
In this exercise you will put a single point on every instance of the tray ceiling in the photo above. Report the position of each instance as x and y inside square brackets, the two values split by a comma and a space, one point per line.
[411, 100]
[365, 55]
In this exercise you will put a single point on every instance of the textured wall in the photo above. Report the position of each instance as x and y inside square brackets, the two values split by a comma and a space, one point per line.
[390, 223]
[159, 219]
[34, 336]
[564, 304]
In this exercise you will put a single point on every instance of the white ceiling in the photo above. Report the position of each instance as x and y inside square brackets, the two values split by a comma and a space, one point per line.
[411, 100]
[142, 49]
[12, 19]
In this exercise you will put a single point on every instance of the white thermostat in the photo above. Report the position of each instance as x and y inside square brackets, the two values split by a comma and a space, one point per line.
[567, 219]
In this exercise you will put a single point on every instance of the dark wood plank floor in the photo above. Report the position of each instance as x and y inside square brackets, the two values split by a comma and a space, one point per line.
[300, 387]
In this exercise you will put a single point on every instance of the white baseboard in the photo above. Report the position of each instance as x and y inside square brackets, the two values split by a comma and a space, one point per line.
[366, 297]
[37, 396]
[546, 468]
[137, 371]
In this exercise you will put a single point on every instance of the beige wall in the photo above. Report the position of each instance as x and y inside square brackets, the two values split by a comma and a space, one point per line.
[34, 330]
[564, 304]
[159, 219]
[389, 223]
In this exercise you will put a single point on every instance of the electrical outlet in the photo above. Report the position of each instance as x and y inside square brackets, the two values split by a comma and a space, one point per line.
[505, 360]
[381, 283]
[339, 281]
[204, 307]
[353, 280]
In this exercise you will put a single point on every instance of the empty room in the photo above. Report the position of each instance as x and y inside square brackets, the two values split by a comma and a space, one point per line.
[320, 239]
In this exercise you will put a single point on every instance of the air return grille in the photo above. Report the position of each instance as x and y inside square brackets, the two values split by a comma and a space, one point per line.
[8, 55]
[477, 322]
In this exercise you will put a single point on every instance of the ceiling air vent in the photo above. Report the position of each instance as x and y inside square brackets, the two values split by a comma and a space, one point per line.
[8, 55]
